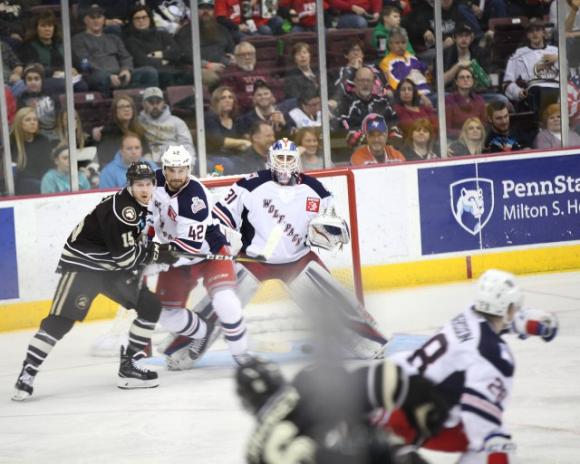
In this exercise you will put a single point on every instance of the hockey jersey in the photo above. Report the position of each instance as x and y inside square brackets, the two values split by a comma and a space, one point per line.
[107, 239]
[184, 218]
[473, 368]
[257, 205]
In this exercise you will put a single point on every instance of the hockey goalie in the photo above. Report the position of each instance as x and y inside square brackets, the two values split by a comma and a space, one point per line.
[276, 216]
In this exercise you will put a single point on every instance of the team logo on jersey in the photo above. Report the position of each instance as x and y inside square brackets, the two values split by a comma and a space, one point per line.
[312, 204]
[82, 302]
[171, 213]
[197, 204]
[129, 213]
[472, 203]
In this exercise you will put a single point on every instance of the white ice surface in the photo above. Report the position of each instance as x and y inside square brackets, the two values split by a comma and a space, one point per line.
[77, 415]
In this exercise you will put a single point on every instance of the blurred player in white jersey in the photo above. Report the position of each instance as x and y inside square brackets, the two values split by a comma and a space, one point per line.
[286, 212]
[473, 367]
[181, 216]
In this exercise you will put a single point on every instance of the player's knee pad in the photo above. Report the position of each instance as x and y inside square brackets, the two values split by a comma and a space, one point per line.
[148, 307]
[56, 326]
[227, 305]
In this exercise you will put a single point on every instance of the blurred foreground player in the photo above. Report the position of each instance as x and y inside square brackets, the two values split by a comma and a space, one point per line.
[281, 213]
[473, 367]
[321, 416]
[104, 255]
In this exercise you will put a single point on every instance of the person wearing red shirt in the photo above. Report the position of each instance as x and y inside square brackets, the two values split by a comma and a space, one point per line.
[357, 14]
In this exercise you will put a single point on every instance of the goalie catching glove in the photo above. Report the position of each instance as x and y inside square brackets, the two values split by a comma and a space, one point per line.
[161, 253]
[327, 230]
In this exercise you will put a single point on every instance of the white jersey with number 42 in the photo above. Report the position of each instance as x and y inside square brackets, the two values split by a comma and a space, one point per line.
[257, 205]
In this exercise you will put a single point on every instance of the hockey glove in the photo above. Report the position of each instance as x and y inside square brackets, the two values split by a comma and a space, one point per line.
[328, 230]
[161, 253]
[535, 322]
[425, 408]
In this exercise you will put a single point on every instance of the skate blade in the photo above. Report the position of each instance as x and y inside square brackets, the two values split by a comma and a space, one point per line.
[131, 384]
[20, 395]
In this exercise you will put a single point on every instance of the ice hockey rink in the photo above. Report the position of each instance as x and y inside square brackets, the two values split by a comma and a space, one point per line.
[77, 415]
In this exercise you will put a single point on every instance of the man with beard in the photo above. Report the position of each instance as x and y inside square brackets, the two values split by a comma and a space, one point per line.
[217, 43]
[163, 129]
[500, 138]
[243, 74]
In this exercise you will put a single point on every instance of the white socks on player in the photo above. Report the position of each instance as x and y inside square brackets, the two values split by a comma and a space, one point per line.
[228, 308]
[183, 322]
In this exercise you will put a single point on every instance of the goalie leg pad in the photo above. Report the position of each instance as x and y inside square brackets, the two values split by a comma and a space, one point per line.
[315, 290]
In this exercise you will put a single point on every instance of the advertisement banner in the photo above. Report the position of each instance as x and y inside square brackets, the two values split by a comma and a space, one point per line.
[8, 262]
[499, 204]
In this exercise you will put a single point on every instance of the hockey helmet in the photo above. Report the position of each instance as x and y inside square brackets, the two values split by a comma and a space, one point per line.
[256, 381]
[175, 156]
[284, 161]
[140, 170]
[496, 292]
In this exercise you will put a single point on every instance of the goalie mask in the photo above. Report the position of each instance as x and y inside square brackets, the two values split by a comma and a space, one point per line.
[284, 162]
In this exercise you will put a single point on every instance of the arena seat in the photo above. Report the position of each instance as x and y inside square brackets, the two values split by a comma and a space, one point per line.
[508, 35]
[92, 107]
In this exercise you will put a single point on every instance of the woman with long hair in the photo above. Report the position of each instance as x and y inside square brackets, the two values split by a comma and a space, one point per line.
[308, 141]
[30, 151]
[124, 119]
[419, 139]
[471, 139]
[409, 107]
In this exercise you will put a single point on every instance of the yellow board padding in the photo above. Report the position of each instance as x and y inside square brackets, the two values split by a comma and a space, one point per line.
[375, 278]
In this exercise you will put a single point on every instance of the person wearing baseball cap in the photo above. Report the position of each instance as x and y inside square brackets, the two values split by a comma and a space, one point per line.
[375, 129]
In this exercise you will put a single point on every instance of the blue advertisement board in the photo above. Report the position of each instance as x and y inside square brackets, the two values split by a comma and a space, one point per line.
[8, 263]
[499, 203]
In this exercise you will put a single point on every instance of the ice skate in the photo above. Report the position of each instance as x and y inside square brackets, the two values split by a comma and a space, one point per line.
[183, 353]
[23, 385]
[131, 375]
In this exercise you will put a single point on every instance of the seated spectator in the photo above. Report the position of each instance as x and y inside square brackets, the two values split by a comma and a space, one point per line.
[242, 74]
[464, 103]
[357, 14]
[409, 108]
[491, 9]
[12, 66]
[466, 53]
[161, 127]
[376, 149]
[355, 59]
[228, 13]
[261, 17]
[302, 76]
[499, 138]
[419, 141]
[399, 64]
[171, 15]
[223, 136]
[572, 28]
[104, 58]
[308, 111]
[354, 108]
[302, 14]
[114, 174]
[83, 139]
[216, 43]
[124, 119]
[308, 141]
[391, 19]
[531, 74]
[255, 158]
[43, 45]
[551, 134]
[116, 12]
[471, 139]
[13, 17]
[30, 151]
[264, 109]
[34, 96]
[156, 48]
[57, 180]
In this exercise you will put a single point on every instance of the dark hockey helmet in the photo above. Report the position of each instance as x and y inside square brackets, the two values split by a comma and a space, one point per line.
[140, 170]
[256, 381]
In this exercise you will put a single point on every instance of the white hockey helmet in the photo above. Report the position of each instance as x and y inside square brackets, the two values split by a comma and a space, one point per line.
[175, 156]
[496, 291]
[284, 161]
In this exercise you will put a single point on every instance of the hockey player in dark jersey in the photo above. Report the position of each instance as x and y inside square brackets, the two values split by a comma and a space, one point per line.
[104, 254]
[321, 416]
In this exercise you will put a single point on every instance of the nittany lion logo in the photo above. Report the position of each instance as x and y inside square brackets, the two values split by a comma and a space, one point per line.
[472, 203]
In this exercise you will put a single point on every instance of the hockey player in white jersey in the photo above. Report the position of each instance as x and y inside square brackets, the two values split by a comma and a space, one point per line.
[181, 216]
[298, 211]
[473, 367]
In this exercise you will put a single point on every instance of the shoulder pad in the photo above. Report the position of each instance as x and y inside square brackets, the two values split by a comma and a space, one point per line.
[192, 202]
[126, 209]
[495, 350]
[315, 185]
[254, 180]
